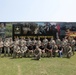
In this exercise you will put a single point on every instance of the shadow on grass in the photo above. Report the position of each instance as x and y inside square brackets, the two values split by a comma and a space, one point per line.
[36, 59]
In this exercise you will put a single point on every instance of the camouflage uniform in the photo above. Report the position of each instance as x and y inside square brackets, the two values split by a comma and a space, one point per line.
[58, 42]
[11, 46]
[37, 53]
[23, 50]
[73, 46]
[1, 46]
[34, 41]
[39, 43]
[22, 42]
[64, 44]
[55, 50]
[6, 47]
[30, 50]
[42, 47]
[52, 42]
[29, 42]
[17, 51]
[60, 50]
[45, 41]
[17, 41]
[16, 45]
[49, 50]
[69, 51]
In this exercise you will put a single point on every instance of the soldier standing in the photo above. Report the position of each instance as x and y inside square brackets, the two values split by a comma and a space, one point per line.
[58, 41]
[52, 41]
[45, 41]
[6, 47]
[15, 51]
[22, 42]
[69, 50]
[73, 45]
[17, 41]
[11, 46]
[39, 42]
[29, 41]
[1, 46]
[64, 45]
[64, 42]
[2, 31]
[34, 41]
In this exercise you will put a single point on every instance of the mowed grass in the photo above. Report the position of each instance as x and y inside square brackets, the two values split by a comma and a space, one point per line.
[45, 66]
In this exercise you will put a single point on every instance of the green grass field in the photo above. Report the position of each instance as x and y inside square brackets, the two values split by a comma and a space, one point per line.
[45, 66]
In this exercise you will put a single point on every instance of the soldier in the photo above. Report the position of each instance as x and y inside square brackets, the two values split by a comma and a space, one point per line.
[34, 41]
[64, 42]
[34, 46]
[52, 41]
[30, 50]
[73, 45]
[29, 41]
[1, 46]
[64, 45]
[2, 31]
[60, 48]
[55, 50]
[42, 47]
[64, 50]
[17, 51]
[69, 50]
[45, 41]
[48, 50]
[11, 46]
[58, 41]
[22, 42]
[39, 42]
[69, 40]
[6, 47]
[23, 50]
[17, 41]
[66, 39]
[37, 53]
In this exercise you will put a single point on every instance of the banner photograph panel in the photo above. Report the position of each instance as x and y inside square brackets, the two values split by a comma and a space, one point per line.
[35, 29]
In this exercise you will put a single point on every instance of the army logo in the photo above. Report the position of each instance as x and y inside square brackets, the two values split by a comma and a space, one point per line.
[17, 30]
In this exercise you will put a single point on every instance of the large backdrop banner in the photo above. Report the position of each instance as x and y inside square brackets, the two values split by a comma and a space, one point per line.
[37, 29]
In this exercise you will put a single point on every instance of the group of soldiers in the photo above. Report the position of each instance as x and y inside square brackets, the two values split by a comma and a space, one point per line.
[37, 48]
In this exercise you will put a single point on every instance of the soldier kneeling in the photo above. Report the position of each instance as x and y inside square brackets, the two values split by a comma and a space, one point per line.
[37, 53]
[69, 51]
[17, 51]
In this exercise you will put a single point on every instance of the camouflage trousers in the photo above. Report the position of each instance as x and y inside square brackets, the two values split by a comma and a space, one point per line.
[6, 51]
[0, 51]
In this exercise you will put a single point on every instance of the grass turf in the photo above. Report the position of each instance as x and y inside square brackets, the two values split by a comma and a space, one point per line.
[45, 66]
